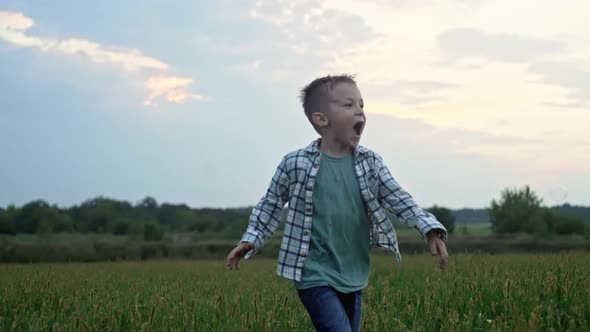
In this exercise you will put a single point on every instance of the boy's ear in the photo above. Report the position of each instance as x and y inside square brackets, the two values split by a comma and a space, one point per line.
[319, 119]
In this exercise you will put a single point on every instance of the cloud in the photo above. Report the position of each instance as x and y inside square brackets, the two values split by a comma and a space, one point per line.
[466, 42]
[536, 53]
[531, 156]
[412, 4]
[309, 28]
[250, 67]
[407, 92]
[170, 88]
[413, 131]
[569, 75]
[14, 25]
[307, 36]
[13, 28]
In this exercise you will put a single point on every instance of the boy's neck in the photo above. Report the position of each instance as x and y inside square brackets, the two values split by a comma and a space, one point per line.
[334, 148]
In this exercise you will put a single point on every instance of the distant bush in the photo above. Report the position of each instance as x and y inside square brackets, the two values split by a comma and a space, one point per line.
[44, 228]
[445, 216]
[542, 224]
[566, 224]
[122, 227]
[464, 230]
[153, 231]
[7, 226]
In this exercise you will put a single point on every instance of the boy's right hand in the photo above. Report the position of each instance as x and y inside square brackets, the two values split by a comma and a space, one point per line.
[233, 259]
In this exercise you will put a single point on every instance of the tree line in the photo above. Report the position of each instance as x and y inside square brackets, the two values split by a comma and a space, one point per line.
[521, 210]
[104, 215]
[517, 211]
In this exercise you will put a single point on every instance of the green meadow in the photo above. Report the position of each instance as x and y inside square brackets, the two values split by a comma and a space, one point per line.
[522, 292]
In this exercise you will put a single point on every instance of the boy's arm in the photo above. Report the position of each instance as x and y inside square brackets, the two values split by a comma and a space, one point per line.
[265, 217]
[398, 201]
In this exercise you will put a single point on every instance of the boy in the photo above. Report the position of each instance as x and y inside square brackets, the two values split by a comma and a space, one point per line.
[338, 192]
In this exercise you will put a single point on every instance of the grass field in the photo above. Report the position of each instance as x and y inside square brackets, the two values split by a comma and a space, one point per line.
[476, 292]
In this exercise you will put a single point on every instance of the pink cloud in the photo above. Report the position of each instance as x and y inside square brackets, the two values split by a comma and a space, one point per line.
[13, 29]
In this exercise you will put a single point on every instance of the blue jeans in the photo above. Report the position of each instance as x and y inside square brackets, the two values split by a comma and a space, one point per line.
[331, 310]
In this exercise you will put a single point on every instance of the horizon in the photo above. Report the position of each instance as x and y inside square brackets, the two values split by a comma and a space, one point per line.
[160, 203]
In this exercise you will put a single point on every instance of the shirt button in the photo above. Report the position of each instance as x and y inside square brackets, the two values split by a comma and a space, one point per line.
[303, 254]
[306, 233]
[308, 210]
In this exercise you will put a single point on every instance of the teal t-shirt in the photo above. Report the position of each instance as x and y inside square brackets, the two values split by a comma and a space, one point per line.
[339, 245]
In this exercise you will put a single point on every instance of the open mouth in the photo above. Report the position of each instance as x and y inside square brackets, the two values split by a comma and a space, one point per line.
[358, 127]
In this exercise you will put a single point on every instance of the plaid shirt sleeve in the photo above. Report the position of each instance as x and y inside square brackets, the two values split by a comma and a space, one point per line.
[393, 198]
[265, 217]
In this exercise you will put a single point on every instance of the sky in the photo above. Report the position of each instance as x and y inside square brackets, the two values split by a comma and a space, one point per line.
[196, 101]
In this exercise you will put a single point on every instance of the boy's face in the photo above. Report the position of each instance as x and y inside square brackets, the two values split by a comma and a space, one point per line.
[345, 115]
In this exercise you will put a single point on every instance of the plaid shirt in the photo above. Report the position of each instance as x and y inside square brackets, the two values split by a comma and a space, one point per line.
[293, 183]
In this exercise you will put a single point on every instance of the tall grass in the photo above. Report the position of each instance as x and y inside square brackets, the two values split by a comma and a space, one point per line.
[476, 292]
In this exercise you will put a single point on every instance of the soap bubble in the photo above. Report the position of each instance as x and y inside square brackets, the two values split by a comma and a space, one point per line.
[557, 193]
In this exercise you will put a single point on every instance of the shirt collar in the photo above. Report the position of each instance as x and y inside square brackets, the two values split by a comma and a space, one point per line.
[313, 148]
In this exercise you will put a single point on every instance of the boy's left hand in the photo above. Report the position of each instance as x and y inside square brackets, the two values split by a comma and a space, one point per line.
[438, 247]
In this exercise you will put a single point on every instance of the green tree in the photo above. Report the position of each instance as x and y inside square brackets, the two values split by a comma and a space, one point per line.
[567, 224]
[518, 210]
[6, 225]
[62, 222]
[122, 226]
[464, 229]
[152, 231]
[99, 214]
[44, 227]
[148, 203]
[28, 218]
[543, 224]
[29, 215]
[445, 216]
[100, 217]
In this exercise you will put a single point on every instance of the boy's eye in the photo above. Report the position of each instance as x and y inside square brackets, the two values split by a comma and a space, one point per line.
[348, 105]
